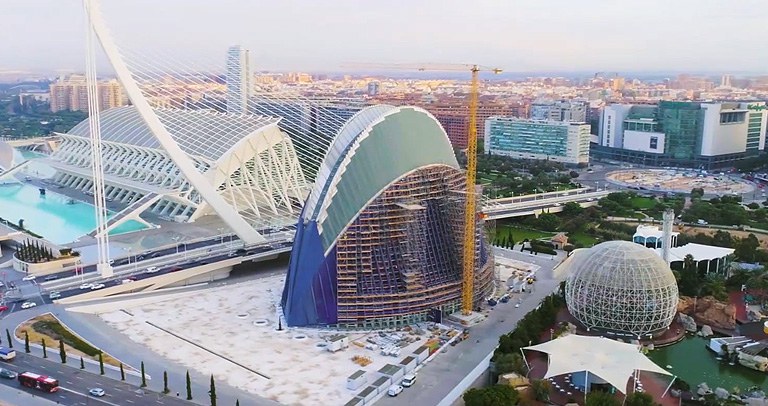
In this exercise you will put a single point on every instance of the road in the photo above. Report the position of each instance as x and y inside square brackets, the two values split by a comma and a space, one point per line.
[438, 378]
[75, 384]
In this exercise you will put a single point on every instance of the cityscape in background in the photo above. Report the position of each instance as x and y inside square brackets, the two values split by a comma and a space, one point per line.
[383, 233]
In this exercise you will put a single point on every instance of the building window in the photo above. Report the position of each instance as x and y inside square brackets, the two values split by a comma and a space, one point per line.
[654, 143]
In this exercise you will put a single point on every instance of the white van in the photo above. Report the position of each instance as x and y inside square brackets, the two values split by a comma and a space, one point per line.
[408, 380]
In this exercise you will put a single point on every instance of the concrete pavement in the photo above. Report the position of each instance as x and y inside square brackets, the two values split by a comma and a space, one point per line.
[16, 397]
[446, 372]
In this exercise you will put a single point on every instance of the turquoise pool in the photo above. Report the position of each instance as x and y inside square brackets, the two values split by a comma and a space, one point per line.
[50, 215]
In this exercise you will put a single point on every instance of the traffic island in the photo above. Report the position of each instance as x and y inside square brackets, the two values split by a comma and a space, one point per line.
[47, 327]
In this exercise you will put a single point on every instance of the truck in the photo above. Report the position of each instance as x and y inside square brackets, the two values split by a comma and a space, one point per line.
[7, 354]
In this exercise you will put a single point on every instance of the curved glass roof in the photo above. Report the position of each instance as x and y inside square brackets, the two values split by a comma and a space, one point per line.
[199, 133]
[378, 146]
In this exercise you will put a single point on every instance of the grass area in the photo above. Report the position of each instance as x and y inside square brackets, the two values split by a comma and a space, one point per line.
[583, 238]
[643, 203]
[639, 216]
[48, 327]
[519, 234]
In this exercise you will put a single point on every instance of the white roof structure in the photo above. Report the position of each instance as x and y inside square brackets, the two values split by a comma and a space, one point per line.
[699, 252]
[650, 231]
[612, 361]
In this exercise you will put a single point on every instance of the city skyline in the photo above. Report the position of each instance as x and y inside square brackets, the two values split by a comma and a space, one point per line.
[531, 37]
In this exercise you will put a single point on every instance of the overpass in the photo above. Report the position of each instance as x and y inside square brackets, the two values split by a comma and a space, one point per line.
[551, 202]
[42, 144]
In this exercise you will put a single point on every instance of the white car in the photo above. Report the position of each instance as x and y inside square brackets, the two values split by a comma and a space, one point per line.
[153, 269]
[394, 390]
[98, 392]
[98, 286]
[29, 278]
[408, 380]
[28, 305]
[86, 286]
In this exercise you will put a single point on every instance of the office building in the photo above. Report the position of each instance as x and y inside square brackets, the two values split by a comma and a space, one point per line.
[238, 79]
[693, 134]
[560, 110]
[71, 94]
[536, 139]
[373, 88]
[379, 240]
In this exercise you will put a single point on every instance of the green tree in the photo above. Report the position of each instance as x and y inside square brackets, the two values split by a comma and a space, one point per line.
[143, 376]
[189, 387]
[548, 222]
[8, 337]
[62, 352]
[600, 398]
[101, 364]
[82, 363]
[165, 382]
[237, 402]
[496, 395]
[26, 342]
[540, 388]
[122, 372]
[746, 248]
[639, 399]
[511, 362]
[45, 350]
[212, 392]
[697, 193]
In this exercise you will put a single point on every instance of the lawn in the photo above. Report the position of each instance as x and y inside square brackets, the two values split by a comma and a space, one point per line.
[582, 237]
[520, 234]
[643, 203]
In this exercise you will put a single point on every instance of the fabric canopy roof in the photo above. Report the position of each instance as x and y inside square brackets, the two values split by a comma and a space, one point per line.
[612, 361]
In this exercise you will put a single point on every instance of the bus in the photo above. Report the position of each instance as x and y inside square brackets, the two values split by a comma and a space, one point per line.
[40, 382]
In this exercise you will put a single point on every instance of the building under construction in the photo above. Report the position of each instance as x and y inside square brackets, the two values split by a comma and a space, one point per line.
[379, 243]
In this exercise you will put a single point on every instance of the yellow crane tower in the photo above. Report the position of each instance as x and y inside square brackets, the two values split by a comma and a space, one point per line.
[470, 212]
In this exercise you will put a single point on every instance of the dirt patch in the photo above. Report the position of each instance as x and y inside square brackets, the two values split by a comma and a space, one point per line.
[48, 327]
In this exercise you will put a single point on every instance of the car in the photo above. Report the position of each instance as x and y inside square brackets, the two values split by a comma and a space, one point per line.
[86, 286]
[98, 392]
[175, 269]
[517, 305]
[54, 295]
[51, 277]
[28, 305]
[7, 374]
[3, 308]
[97, 286]
[153, 269]
[408, 380]
[394, 390]
[29, 278]
[124, 281]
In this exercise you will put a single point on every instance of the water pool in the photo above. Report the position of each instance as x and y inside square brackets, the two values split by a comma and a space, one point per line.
[693, 363]
[50, 215]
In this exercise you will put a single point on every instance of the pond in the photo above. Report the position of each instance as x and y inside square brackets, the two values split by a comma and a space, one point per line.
[692, 362]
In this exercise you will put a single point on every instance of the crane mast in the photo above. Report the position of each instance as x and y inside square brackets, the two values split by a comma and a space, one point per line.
[470, 211]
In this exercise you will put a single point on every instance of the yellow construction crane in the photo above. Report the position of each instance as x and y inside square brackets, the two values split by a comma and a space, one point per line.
[468, 275]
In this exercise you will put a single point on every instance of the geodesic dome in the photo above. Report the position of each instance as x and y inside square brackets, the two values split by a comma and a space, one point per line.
[621, 286]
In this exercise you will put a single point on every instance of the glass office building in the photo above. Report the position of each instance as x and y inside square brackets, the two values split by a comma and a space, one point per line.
[537, 139]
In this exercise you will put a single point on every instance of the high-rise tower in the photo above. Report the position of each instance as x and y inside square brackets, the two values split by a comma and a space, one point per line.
[238, 80]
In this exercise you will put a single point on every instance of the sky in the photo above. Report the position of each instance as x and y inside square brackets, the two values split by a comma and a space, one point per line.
[329, 35]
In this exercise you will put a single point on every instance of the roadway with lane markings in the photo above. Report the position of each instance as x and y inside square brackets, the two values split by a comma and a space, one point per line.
[74, 385]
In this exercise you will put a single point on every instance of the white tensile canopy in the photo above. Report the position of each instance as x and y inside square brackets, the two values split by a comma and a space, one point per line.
[611, 361]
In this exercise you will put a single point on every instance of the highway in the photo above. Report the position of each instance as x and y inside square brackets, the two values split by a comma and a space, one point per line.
[75, 383]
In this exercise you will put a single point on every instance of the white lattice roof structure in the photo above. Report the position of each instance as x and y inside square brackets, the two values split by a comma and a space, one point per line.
[245, 158]
[622, 287]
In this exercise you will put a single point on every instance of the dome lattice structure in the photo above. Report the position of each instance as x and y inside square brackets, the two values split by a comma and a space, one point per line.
[621, 287]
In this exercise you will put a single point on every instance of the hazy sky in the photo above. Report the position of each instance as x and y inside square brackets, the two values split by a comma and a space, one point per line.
[518, 35]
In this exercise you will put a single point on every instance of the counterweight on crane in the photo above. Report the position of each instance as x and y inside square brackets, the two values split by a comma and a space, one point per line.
[470, 213]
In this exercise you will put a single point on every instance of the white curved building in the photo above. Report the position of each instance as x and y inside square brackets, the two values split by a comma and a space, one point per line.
[250, 163]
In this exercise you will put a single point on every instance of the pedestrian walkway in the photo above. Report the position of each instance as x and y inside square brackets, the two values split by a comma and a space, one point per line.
[15, 397]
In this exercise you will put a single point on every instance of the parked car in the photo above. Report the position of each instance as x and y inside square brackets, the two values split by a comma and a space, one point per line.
[28, 305]
[51, 277]
[54, 295]
[153, 269]
[408, 380]
[98, 392]
[3, 308]
[394, 390]
[86, 286]
[98, 286]
[29, 278]
[7, 374]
